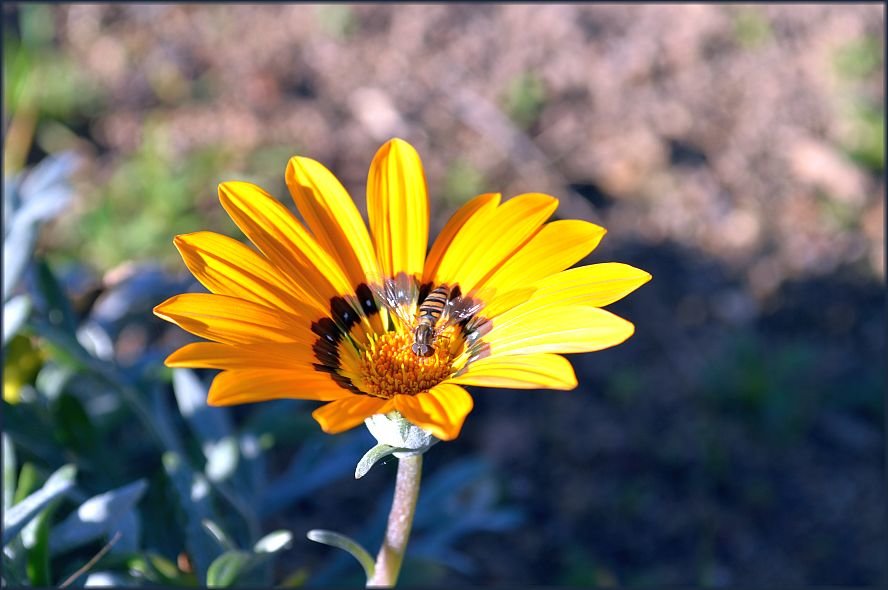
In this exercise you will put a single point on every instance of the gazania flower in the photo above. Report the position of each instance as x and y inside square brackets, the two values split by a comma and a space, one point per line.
[370, 321]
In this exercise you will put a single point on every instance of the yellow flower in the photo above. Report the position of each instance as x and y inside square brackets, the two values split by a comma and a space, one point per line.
[331, 312]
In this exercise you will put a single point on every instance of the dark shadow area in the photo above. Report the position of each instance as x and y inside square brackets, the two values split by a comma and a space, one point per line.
[706, 450]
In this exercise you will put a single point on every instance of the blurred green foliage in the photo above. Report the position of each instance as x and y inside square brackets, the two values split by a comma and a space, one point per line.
[462, 182]
[859, 59]
[337, 20]
[866, 144]
[39, 77]
[156, 192]
[751, 27]
[770, 387]
[524, 98]
[864, 140]
[779, 389]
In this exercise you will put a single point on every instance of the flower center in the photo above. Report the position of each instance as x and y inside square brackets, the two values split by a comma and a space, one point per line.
[389, 367]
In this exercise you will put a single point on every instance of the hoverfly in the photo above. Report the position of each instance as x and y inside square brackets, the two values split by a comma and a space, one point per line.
[442, 307]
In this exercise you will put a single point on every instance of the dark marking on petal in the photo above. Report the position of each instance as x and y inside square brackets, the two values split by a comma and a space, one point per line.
[326, 352]
[365, 298]
[331, 331]
[327, 329]
[482, 327]
[340, 380]
[482, 350]
[326, 347]
[343, 313]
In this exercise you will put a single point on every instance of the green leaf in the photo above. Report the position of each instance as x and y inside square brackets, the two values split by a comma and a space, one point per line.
[346, 544]
[27, 482]
[38, 549]
[158, 569]
[225, 543]
[235, 565]
[23, 512]
[13, 576]
[73, 426]
[58, 309]
[164, 567]
[226, 568]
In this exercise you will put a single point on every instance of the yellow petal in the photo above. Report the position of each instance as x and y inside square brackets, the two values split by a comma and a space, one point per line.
[487, 202]
[225, 266]
[505, 302]
[398, 207]
[487, 240]
[596, 284]
[557, 246]
[259, 385]
[231, 320]
[316, 276]
[348, 412]
[523, 371]
[441, 411]
[528, 329]
[212, 355]
[331, 215]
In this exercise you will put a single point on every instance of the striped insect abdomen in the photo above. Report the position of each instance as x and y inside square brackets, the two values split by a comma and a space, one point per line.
[431, 309]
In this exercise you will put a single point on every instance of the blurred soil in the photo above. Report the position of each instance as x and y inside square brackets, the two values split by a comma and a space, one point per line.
[735, 152]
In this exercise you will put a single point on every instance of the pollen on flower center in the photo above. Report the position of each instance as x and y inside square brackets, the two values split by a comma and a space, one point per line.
[389, 367]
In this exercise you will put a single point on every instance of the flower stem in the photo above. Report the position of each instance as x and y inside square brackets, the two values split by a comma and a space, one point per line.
[400, 521]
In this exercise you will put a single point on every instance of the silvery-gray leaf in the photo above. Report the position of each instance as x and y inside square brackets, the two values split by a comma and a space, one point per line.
[273, 542]
[15, 519]
[9, 472]
[394, 430]
[17, 249]
[15, 313]
[98, 516]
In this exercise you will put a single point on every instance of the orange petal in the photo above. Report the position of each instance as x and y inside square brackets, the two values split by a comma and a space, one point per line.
[441, 411]
[225, 266]
[596, 284]
[530, 328]
[259, 385]
[334, 220]
[487, 202]
[505, 301]
[231, 320]
[348, 412]
[557, 246]
[212, 355]
[487, 240]
[523, 371]
[398, 207]
[316, 276]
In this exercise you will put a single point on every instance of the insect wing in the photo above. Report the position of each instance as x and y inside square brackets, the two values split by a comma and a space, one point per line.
[459, 309]
[397, 296]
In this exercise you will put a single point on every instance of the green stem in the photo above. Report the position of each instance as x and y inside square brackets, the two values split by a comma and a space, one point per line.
[400, 521]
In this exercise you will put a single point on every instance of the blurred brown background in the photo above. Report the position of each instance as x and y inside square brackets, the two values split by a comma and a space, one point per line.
[735, 152]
